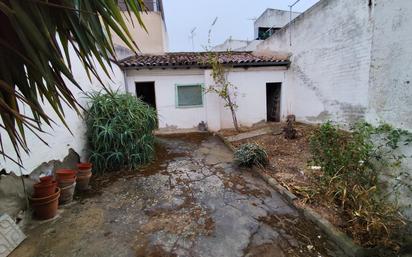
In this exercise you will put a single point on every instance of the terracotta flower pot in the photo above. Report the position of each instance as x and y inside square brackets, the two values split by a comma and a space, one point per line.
[67, 193]
[82, 181]
[65, 174]
[66, 182]
[46, 207]
[44, 189]
[84, 166]
[46, 179]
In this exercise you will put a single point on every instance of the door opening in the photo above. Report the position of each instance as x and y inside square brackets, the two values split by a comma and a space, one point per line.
[146, 92]
[273, 96]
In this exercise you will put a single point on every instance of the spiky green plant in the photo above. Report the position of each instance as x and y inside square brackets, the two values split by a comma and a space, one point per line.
[251, 154]
[119, 131]
[35, 36]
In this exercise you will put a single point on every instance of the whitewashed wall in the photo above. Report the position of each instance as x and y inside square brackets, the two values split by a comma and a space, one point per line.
[165, 83]
[390, 87]
[351, 60]
[331, 45]
[251, 96]
[60, 140]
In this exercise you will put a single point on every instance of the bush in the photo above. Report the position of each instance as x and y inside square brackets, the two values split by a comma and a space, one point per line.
[354, 166]
[119, 131]
[251, 154]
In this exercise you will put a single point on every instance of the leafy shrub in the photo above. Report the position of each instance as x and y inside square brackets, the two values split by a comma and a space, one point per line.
[251, 154]
[119, 131]
[354, 174]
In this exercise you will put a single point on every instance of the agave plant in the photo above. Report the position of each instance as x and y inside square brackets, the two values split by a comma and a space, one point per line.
[35, 36]
[119, 131]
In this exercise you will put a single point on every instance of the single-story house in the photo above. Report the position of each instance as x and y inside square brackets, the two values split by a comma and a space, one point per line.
[174, 84]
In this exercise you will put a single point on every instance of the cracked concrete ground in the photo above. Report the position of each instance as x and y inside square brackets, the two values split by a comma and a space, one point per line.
[191, 202]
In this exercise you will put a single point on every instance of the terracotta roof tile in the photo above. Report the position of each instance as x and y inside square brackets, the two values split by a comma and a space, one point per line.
[199, 59]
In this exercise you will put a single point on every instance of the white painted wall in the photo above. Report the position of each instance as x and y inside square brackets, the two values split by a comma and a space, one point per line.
[165, 82]
[273, 18]
[330, 60]
[350, 60]
[251, 96]
[60, 140]
[390, 87]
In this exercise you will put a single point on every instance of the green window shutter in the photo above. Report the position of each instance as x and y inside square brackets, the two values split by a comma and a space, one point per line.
[189, 95]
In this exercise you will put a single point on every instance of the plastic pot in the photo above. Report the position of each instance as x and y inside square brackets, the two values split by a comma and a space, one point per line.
[46, 207]
[82, 181]
[65, 174]
[66, 195]
[44, 189]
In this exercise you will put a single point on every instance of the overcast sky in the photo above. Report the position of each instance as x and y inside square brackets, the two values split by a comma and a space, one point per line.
[234, 19]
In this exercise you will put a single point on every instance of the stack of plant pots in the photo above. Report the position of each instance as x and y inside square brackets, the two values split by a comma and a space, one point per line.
[66, 180]
[45, 199]
[84, 174]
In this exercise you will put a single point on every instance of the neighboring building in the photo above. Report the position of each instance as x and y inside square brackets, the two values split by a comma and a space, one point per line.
[154, 40]
[230, 45]
[265, 26]
[271, 21]
[173, 83]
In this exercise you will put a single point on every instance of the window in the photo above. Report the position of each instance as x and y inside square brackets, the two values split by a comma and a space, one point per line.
[265, 32]
[189, 95]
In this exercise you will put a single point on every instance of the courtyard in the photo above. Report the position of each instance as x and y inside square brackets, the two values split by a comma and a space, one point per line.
[192, 201]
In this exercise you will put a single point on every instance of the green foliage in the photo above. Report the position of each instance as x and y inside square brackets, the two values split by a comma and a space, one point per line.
[36, 37]
[356, 166]
[119, 131]
[251, 154]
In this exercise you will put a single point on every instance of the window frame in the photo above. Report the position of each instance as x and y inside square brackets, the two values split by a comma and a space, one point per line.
[188, 85]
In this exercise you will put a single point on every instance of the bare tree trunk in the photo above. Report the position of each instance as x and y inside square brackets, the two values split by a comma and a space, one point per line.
[232, 110]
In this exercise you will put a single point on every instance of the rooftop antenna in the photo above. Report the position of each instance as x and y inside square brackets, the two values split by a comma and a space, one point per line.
[192, 37]
[290, 20]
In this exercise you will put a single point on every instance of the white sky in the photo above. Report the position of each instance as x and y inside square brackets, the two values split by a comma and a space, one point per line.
[234, 19]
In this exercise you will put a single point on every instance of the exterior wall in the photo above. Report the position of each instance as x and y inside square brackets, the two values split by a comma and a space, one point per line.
[330, 55]
[154, 40]
[237, 45]
[251, 96]
[165, 90]
[230, 44]
[59, 138]
[349, 62]
[390, 87]
[272, 18]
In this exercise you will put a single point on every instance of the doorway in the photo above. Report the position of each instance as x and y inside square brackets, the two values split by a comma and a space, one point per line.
[146, 92]
[273, 96]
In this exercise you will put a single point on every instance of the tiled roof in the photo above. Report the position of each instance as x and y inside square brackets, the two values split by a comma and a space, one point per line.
[199, 59]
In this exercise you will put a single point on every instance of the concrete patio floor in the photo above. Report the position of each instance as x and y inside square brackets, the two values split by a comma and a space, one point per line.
[192, 201]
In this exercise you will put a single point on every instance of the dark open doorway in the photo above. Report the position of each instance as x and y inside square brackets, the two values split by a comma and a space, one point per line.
[273, 92]
[146, 92]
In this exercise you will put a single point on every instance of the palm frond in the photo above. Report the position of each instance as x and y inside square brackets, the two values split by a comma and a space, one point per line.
[35, 37]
